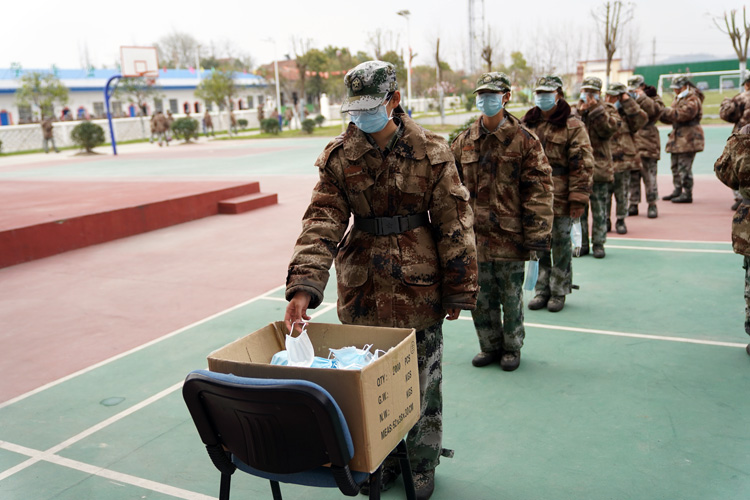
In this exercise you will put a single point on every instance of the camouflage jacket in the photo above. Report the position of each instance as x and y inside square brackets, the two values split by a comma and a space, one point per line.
[601, 122]
[631, 119]
[510, 182]
[568, 151]
[399, 280]
[733, 169]
[161, 123]
[47, 128]
[647, 140]
[736, 110]
[685, 115]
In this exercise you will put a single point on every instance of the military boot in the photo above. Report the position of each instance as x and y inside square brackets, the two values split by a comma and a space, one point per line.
[674, 194]
[652, 212]
[620, 226]
[633, 210]
[685, 197]
[556, 303]
[510, 360]
[748, 349]
[390, 474]
[486, 358]
[424, 484]
[599, 251]
[538, 302]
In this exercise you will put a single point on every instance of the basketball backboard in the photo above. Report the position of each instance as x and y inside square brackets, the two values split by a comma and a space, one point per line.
[139, 62]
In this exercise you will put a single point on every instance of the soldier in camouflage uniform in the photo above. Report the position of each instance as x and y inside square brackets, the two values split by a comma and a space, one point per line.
[568, 151]
[648, 144]
[686, 138]
[601, 120]
[737, 110]
[733, 169]
[624, 154]
[409, 258]
[504, 167]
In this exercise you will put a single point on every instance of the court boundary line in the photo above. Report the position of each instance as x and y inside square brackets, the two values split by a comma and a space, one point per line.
[683, 250]
[615, 238]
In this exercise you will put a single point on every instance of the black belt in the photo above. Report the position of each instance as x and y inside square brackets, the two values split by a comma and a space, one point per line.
[560, 171]
[383, 226]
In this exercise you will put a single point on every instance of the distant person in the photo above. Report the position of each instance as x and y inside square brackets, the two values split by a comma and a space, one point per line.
[208, 123]
[261, 113]
[497, 150]
[232, 123]
[686, 138]
[48, 135]
[161, 125]
[737, 110]
[152, 125]
[624, 153]
[733, 169]
[170, 121]
[568, 149]
[601, 120]
[648, 144]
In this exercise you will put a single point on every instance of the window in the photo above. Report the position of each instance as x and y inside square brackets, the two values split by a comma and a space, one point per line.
[99, 110]
[24, 114]
[116, 108]
[173, 106]
[250, 102]
[197, 107]
[158, 105]
[260, 100]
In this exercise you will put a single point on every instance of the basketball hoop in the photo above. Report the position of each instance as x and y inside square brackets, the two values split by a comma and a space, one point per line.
[138, 62]
[150, 81]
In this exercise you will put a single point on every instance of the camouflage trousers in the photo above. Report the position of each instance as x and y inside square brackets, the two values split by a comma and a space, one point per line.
[682, 171]
[620, 190]
[556, 267]
[746, 266]
[598, 199]
[648, 174]
[425, 439]
[498, 317]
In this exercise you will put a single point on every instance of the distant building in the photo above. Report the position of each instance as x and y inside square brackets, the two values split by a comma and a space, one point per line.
[86, 98]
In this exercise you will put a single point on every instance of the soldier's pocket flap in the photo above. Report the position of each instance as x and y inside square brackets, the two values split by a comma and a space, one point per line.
[420, 274]
[412, 183]
[358, 181]
[352, 275]
[469, 156]
[511, 224]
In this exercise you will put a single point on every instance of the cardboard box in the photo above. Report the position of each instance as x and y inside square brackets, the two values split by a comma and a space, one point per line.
[380, 402]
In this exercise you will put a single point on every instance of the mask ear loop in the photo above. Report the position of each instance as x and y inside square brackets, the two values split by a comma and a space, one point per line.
[301, 321]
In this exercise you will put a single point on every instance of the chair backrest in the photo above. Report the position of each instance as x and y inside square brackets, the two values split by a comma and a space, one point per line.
[276, 426]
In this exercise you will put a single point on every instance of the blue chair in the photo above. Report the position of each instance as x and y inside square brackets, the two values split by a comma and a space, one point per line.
[285, 431]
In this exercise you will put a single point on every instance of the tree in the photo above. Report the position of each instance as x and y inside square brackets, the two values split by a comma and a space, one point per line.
[137, 91]
[489, 50]
[218, 88]
[739, 37]
[42, 90]
[177, 50]
[87, 135]
[610, 17]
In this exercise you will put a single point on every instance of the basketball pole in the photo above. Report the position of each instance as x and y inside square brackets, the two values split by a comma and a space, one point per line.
[107, 94]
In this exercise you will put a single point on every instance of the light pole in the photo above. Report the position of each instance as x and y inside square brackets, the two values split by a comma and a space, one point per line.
[405, 14]
[276, 76]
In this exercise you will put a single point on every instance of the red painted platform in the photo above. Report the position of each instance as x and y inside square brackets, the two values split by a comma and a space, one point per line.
[43, 218]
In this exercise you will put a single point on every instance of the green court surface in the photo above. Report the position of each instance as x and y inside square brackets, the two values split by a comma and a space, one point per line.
[638, 389]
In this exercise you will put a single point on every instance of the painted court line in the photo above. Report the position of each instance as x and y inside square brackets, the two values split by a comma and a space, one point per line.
[614, 238]
[665, 249]
[134, 350]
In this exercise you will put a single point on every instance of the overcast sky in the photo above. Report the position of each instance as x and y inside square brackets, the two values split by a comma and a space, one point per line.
[45, 32]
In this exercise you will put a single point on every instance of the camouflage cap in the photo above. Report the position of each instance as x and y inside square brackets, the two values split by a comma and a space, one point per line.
[367, 85]
[592, 83]
[679, 82]
[499, 82]
[548, 83]
[616, 88]
[635, 82]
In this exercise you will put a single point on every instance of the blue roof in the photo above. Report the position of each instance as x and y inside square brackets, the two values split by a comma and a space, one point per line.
[82, 74]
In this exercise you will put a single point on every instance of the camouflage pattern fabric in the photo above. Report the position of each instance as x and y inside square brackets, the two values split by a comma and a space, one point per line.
[425, 439]
[733, 169]
[619, 189]
[648, 173]
[555, 267]
[509, 181]
[601, 122]
[624, 152]
[47, 129]
[746, 266]
[736, 110]
[685, 115]
[682, 170]
[548, 83]
[498, 318]
[367, 84]
[647, 140]
[599, 198]
[399, 280]
[585, 223]
[495, 81]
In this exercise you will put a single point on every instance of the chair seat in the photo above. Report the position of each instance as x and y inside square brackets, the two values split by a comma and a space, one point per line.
[320, 477]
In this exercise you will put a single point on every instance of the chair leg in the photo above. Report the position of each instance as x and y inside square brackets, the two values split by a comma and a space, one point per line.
[375, 479]
[226, 480]
[276, 490]
[403, 458]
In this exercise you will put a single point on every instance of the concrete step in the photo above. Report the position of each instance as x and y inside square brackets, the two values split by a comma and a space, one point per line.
[244, 204]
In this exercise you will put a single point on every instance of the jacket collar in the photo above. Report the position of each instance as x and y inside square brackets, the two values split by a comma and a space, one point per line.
[559, 118]
[411, 145]
[504, 133]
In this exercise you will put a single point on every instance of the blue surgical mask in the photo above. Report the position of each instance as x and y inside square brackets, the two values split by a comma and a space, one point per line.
[351, 358]
[371, 123]
[545, 102]
[618, 105]
[633, 95]
[490, 104]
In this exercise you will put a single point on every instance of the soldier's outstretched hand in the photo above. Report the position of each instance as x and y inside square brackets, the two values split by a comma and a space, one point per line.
[296, 310]
[452, 314]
